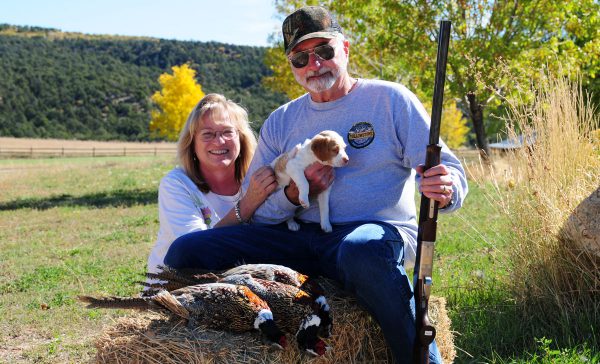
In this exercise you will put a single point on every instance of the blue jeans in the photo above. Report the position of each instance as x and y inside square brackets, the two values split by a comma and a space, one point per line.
[366, 258]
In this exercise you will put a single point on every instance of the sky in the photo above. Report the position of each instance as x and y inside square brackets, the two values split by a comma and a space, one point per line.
[241, 22]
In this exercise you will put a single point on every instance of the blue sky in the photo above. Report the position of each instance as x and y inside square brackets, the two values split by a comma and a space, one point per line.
[243, 22]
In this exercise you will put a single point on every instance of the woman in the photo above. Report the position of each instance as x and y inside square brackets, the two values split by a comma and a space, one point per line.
[214, 151]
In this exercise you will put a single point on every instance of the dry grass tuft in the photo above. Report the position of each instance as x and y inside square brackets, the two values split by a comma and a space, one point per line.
[555, 280]
[153, 338]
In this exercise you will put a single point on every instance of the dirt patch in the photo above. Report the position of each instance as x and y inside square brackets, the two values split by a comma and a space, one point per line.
[27, 345]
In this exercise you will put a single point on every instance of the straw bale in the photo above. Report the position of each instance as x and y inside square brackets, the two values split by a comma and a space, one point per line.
[152, 337]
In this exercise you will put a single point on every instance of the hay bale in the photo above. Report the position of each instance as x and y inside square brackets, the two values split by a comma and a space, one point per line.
[582, 228]
[158, 338]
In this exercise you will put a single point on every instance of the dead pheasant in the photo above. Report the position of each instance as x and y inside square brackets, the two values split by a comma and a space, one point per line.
[218, 306]
[170, 279]
[293, 309]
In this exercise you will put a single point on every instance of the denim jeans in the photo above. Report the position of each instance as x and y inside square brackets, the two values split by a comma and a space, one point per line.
[366, 258]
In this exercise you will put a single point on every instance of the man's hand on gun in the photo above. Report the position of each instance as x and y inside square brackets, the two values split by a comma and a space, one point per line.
[436, 183]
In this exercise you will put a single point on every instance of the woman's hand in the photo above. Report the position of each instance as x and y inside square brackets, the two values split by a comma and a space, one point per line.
[262, 184]
[436, 183]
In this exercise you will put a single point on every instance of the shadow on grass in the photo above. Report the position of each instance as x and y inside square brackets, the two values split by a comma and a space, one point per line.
[486, 323]
[117, 198]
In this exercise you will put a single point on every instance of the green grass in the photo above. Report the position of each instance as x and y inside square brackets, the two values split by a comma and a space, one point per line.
[85, 226]
[70, 227]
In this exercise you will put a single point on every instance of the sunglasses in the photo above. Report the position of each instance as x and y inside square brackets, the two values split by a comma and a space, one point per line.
[300, 59]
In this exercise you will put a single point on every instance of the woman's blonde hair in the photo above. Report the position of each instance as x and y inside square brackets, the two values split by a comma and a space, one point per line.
[209, 105]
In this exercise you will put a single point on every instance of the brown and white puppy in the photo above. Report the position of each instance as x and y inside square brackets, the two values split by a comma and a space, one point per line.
[327, 148]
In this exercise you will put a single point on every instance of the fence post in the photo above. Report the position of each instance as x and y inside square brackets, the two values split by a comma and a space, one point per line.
[124, 151]
[31, 152]
[93, 151]
[155, 151]
[63, 151]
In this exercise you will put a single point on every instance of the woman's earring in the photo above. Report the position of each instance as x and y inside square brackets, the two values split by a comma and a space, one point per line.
[194, 158]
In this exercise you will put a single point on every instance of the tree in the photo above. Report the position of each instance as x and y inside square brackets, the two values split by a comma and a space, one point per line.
[453, 128]
[282, 79]
[180, 93]
[396, 40]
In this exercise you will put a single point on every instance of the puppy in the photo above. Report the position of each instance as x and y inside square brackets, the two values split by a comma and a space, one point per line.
[327, 148]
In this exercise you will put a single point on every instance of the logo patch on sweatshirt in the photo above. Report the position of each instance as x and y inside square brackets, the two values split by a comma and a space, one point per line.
[361, 134]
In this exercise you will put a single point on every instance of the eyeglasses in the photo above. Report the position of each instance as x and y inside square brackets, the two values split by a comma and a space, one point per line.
[208, 135]
[300, 59]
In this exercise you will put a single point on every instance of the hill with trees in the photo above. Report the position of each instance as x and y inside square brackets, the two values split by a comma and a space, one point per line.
[75, 86]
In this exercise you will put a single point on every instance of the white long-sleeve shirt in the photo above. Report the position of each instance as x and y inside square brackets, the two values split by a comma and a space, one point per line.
[183, 208]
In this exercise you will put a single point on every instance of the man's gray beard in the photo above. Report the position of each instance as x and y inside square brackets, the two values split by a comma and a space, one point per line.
[320, 84]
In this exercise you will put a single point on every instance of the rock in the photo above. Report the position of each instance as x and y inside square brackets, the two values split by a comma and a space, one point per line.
[582, 228]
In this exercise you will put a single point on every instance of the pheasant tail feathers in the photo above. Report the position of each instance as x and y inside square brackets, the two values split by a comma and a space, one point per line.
[139, 303]
[168, 301]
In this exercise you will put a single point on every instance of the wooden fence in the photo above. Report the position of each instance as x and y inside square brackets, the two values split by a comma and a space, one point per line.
[40, 152]
[35, 152]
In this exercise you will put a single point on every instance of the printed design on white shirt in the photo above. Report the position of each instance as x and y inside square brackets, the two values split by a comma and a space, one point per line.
[206, 214]
[205, 210]
[361, 134]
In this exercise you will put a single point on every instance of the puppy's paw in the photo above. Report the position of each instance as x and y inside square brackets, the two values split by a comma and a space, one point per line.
[304, 201]
[293, 225]
[326, 226]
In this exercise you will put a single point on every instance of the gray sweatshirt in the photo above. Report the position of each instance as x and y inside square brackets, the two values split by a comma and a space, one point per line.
[387, 130]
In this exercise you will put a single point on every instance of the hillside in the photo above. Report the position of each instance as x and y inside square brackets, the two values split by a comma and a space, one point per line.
[76, 86]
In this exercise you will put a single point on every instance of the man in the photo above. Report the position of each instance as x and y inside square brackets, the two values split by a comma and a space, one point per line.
[373, 211]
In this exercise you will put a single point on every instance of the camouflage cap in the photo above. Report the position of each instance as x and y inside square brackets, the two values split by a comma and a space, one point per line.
[306, 23]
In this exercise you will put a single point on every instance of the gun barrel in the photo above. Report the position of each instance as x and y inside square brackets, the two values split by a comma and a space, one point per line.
[425, 332]
[440, 78]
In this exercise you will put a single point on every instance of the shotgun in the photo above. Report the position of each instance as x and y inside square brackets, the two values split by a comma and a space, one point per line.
[429, 210]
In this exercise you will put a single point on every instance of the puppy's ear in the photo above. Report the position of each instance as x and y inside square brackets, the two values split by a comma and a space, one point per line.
[320, 147]
[334, 148]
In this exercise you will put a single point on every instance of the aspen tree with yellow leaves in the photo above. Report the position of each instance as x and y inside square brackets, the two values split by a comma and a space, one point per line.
[180, 93]
[453, 129]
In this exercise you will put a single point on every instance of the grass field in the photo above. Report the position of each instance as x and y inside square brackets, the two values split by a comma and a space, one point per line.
[85, 226]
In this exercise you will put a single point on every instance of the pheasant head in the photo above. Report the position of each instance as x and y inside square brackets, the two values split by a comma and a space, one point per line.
[324, 312]
[265, 324]
[307, 336]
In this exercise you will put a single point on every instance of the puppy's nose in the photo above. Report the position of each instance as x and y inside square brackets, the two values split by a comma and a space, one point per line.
[345, 160]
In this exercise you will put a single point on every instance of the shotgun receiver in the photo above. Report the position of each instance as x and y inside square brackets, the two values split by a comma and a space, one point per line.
[429, 210]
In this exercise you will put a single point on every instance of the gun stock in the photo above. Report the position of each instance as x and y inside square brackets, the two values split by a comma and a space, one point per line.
[425, 332]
